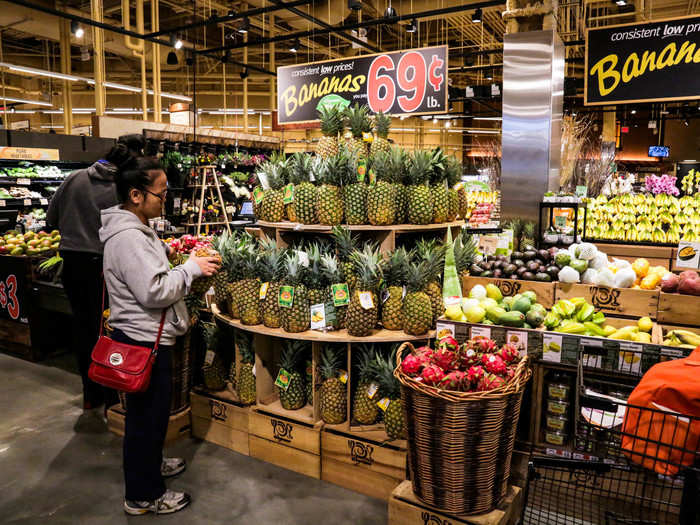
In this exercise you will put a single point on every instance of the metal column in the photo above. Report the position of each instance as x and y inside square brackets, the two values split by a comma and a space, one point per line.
[64, 31]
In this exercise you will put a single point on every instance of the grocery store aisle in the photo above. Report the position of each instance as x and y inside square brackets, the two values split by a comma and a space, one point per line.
[53, 473]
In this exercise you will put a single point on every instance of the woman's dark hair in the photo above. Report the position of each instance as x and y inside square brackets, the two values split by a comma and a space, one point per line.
[127, 147]
[134, 174]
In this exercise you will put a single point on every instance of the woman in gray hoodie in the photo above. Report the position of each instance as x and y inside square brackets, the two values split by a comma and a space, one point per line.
[141, 286]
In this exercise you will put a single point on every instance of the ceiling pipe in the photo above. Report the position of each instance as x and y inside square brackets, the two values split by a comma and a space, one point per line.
[357, 25]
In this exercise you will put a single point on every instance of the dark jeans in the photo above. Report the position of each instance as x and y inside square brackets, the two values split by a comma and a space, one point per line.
[147, 415]
[82, 281]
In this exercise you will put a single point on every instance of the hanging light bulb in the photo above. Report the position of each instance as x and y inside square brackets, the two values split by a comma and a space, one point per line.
[245, 25]
[296, 45]
[412, 27]
[477, 16]
[172, 59]
[76, 29]
[390, 11]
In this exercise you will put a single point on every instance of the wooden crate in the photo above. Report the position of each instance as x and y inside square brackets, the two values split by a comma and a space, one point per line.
[286, 443]
[544, 291]
[680, 309]
[219, 418]
[370, 467]
[618, 301]
[179, 425]
[406, 509]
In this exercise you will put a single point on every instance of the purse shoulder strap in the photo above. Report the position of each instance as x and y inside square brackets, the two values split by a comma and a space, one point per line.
[102, 323]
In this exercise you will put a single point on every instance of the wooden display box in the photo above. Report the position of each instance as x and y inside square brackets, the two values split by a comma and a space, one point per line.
[618, 301]
[179, 425]
[286, 443]
[219, 418]
[680, 309]
[406, 509]
[362, 465]
[656, 255]
[545, 291]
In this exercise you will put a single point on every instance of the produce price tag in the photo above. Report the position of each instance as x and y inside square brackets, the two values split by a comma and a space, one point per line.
[675, 353]
[481, 331]
[209, 357]
[367, 136]
[518, 338]
[559, 453]
[551, 348]
[258, 194]
[361, 170]
[343, 376]
[23, 182]
[283, 379]
[263, 290]
[44, 202]
[366, 300]
[331, 318]
[688, 255]
[582, 191]
[288, 194]
[593, 352]
[383, 403]
[285, 298]
[318, 316]
[630, 358]
[372, 390]
[445, 329]
[341, 294]
[27, 202]
[372, 177]
[2, 204]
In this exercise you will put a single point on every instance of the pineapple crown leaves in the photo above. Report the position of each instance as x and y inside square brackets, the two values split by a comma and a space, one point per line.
[383, 372]
[335, 169]
[464, 247]
[420, 167]
[368, 266]
[345, 242]
[382, 166]
[294, 270]
[357, 118]
[314, 275]
[251, 265]
[331, 120]
[417, 274]
[272, 176]
[271, 263]
[331, 360]
[453, 171]
[300, 168]
[433, 253]
[382, 122]
[396, 267]
[330, 268]
[244, 341]
[233, 259]
[365, 356]
[438, 164]
[292, 353]
[399, 161]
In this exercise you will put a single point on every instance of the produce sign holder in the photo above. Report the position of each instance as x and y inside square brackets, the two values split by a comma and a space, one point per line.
[627, 302]
[545, 291]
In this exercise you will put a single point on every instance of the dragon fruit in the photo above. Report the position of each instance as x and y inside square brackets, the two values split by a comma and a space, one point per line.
[448, 342]
[510, 373]
[424, 354]
[445, 359]
[508, 352]
[493, 364]
[483, 345]
[468, 357]
[410, 365]
[475, 374]
[490, 382]
[432, 375]
[455, 380]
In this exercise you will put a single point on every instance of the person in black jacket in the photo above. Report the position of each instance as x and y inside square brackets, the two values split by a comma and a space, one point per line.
[75, 211]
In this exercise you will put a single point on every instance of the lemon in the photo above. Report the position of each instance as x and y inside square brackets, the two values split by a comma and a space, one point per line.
[475, 314]
[645, 324]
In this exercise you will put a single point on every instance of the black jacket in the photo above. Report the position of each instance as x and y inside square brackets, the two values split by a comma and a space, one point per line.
[76, 206]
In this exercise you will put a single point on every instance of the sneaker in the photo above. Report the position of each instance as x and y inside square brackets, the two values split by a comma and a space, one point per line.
[172, 467]
[168, 503]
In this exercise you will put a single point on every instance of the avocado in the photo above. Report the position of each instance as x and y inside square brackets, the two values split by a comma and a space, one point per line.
[515, 319]
[579, 265]
[509, 269]
[528, 276]
[516, 255]
[534, 318]
[522, 305]
[543, 277]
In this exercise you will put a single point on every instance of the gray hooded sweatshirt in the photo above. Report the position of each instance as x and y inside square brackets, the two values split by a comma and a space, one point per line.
[140, 281]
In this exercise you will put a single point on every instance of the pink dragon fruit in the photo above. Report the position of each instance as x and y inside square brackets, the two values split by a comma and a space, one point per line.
[455, 380]
[490, 382]
[432, 375]
[483, 345]
[493, 364]
[508, 352]
[445, 359]
[410, 365]
[448, 342]
[468, 357]
[475, 374]
[510, 373]
[424, 354]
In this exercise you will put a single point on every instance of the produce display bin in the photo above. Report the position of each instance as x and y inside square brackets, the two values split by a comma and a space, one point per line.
[626, 302]
[219, 418]
[545, 291]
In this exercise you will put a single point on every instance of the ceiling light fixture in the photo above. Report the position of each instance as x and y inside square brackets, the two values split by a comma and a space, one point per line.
[244, 26]
[25, 101]
[686, 122]
[178, 44]
[40, 72]
[296, 45]
[488, 75]
[355, 5]
[412, 27]
[390, 12]
[244, 74]
[76, 30]
[477, 16]
[633, 112]
[621, 3]
[172, 59]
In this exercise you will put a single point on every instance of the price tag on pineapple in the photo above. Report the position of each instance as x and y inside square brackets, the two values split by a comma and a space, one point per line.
[372, 390]
[551, 348]
[366, 300]
[383, 403]
[518, 339]
[630, 358]
[285, 298]
[263, 290]
[341, 294]
[343, 376]
[209, 357]
[283, 379]
[361, 170]
[688, 255]
[480, 331]
[258, 195]
[288, 194]
[372, 177]
[318, 316]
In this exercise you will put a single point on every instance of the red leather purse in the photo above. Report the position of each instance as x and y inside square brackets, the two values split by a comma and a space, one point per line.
[123, 366]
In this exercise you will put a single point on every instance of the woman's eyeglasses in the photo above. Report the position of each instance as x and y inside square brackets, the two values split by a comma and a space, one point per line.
[161, 196]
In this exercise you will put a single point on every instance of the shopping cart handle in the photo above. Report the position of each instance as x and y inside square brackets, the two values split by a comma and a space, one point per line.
[597, 403]
[573, 464]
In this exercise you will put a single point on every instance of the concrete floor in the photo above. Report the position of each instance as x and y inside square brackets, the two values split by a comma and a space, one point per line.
[59, 467]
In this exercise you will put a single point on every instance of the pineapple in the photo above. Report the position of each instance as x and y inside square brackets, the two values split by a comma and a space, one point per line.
[381, 196]
[249, 290]
[354, 193]
[453, 171]
[246, 378]
[309, 383]
[465, 251]
[332, 274]
[305, 193]
[382, 123]
[333, 397]
[201, 285]
[272, 272]
[194, 305]
[346, 244]
[221, 244]
[417, 308]
[329, 202]
[294, 397]
[463, 201]
[272, 209]
[398, 165]
[331, 125]
[394, 270]
[438, 187]
[296, 318]
[364, 410]
[360, 320]
[390, 388]
[358, 121]
[213, 371]
[420, 198]
[516, 225]
[527, 236]
[433, 254]
[234, 269]
[317, 289]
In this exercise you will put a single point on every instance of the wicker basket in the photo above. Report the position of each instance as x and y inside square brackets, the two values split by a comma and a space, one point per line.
[460, 443]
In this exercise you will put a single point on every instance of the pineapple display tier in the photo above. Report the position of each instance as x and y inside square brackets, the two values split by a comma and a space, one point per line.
[321, 228]
[338, 336]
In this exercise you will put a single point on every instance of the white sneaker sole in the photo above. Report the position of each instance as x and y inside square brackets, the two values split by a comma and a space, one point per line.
[175, 472]
[134, 511]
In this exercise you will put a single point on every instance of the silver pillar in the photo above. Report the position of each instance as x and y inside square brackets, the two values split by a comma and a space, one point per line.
[533, 92]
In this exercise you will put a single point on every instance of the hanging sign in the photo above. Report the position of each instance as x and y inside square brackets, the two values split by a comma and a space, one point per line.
[643, 62]
[28, 153]
[412, 81]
